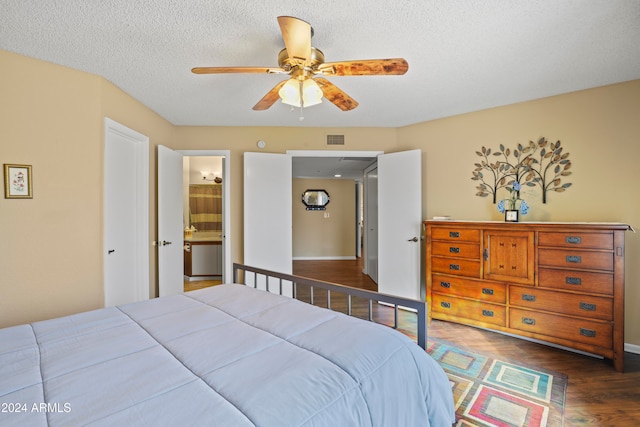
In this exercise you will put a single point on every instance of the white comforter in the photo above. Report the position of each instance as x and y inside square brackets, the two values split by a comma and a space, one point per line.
[223, 356]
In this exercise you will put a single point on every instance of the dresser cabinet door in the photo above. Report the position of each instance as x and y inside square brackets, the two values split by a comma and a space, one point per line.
[509, 256]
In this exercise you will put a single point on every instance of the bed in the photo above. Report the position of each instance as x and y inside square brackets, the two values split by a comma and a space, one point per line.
[229, 355]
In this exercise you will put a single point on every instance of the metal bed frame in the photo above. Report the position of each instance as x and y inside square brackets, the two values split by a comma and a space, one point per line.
[396, 302]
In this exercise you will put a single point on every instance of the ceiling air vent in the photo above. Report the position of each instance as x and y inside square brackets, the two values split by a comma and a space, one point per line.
[335, 139]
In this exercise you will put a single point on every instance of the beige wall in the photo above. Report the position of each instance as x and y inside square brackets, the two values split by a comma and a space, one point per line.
[50, 253]
[600, 128]
[325, 234]
[51, 117]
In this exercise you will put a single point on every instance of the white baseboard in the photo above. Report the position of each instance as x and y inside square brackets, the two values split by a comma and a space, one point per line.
[632, 348]
[323, 258]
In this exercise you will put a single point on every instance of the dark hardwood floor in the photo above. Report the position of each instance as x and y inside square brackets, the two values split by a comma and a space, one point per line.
[597, 395]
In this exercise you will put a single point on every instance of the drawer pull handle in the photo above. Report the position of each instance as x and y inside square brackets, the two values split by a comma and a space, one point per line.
[528, 321]
[445, 284]
[527, 297]
[574, 259]
[445, 304]
[573, 240]
[587, 307]
[454, 250]
[587, 332]
[573, 281]
[454, 234]
[455, 267]
[487, 291]
[487, 313]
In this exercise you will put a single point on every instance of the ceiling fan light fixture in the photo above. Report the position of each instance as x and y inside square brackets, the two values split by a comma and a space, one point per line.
[290, 93]
[311, 93]
[294, 91]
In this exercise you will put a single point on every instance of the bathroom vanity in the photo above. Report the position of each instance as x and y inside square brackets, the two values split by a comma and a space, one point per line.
[203, 255]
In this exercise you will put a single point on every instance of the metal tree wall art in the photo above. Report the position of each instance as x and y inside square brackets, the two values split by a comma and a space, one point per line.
[540, 164]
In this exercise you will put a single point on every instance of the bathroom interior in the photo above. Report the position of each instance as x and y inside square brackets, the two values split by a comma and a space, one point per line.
[202, 207]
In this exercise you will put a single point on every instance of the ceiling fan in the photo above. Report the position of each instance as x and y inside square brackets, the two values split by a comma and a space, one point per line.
[306, 67]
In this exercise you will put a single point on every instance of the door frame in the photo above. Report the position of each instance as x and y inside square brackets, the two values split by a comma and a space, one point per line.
[343, 153]
[141, 217]
[227, 265]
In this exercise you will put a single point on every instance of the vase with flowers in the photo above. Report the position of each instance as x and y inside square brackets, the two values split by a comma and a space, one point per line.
[513, 206]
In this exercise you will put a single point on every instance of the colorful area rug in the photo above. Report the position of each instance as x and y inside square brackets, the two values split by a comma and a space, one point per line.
[494, 392]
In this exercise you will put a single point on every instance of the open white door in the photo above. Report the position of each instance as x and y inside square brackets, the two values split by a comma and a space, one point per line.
[268, 213]
[371, 222]
[170, 222]
[399, 223]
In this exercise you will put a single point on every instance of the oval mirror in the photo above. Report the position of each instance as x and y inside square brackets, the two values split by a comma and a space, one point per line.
[315, 200]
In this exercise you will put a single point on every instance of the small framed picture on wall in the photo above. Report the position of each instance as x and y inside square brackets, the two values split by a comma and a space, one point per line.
[17, 182]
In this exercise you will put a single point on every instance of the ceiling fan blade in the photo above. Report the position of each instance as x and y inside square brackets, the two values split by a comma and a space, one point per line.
[270, 98]
[230, 70]
[368, 67]
[296, 34]
[335, 95]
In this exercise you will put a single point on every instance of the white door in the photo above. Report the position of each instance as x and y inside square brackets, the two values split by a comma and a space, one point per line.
[170, 222]
[268, 213]
[371, 222]
[399, 223]
[126, 213]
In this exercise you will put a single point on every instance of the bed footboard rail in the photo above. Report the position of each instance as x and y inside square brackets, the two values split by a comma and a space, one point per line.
[242, 272]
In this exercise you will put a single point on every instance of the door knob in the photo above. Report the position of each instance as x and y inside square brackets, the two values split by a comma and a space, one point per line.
[110, 251]
[165, 243]
[415, 239]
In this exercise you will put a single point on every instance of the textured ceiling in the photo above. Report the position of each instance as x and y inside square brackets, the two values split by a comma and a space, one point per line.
[464, 55]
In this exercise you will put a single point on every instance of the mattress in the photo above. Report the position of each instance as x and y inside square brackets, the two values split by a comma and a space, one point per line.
[229, 355]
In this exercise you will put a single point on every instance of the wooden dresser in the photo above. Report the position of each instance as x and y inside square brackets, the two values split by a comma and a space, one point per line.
[561, 283]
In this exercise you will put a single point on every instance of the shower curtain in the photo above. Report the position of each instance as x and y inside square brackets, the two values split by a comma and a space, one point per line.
[205, 207]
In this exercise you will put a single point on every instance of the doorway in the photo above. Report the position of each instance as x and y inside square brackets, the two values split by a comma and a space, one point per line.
[222, 170]
[350, 165]
[203, 221]
[399, 252]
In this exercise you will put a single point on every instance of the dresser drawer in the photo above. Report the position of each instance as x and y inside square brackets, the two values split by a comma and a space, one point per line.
[576, 330]
[575, 259]
[457, 266]
[564, 303]
[458, 286]
[474, 310]
[576, 240]
[456, 234]
[575, 280]
[456, 249]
